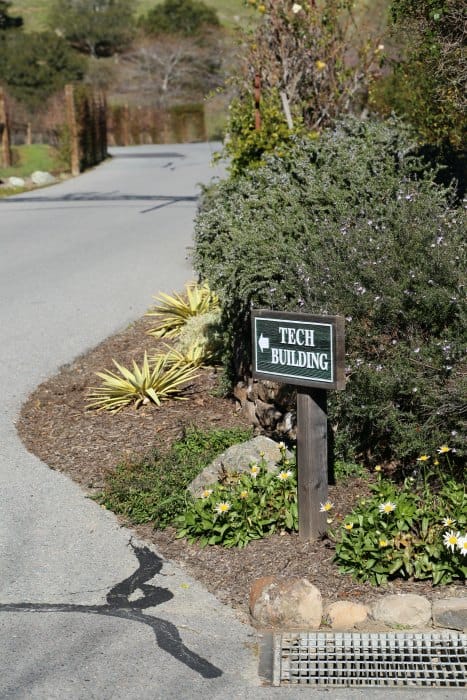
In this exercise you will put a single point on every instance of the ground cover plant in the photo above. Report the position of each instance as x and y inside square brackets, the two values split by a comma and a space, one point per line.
[247, 506]
[355, 224]
[153, 489]
[417, 529]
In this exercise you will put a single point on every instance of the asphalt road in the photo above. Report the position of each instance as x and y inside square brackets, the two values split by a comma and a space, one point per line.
[85, 610]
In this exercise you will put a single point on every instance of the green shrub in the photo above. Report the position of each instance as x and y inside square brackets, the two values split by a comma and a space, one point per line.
[154, 489]
[352, 224]
[185, 17]
[246, 145]
[252, 506]
[415, 532]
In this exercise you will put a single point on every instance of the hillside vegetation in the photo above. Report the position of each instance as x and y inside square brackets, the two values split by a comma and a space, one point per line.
[34, 12]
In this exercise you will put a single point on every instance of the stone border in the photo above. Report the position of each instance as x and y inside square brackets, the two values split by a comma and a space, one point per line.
[297, 604]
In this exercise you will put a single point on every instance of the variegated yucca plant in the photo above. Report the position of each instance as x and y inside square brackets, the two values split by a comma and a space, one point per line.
[153, 382]
[194, 356]
[174, 311]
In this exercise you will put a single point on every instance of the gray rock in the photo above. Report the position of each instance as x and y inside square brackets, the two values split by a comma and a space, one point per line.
[289, 604]
[405, 610]
[16, 181]
[450, 613]
[39, 177]
[237, 459]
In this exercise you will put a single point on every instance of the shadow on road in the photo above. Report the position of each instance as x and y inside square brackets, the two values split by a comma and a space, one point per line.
[119, 605]
[165, 200]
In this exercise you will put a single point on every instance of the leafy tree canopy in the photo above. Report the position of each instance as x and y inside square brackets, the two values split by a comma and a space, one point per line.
[96, 27]
[186, 17]
[429, 85]
[7, 22]
[34, 66]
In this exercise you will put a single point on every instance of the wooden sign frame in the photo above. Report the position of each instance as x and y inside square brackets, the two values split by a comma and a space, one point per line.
[301, 348]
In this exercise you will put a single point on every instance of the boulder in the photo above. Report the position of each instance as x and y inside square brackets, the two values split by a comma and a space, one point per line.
[451, 613]
[405, 610]
[41, 178]
[288, 604]
[237, 459]
[344, 615]
[16, 182]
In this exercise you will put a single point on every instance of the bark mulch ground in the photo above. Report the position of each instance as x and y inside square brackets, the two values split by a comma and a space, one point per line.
[55, 425]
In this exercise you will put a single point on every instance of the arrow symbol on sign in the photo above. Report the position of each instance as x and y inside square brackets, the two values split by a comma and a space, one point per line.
[263, 343]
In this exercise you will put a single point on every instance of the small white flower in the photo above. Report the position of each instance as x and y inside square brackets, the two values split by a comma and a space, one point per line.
[222, 507]
[448, 522]
[296, 8]
[281, 445]
[206, 493]
[254, 471]
[387, 507]
[451, 539]
[326, 507]
[462, 545]
[283, 476]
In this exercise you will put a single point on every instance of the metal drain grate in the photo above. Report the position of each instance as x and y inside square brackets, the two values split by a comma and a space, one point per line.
[370, 659]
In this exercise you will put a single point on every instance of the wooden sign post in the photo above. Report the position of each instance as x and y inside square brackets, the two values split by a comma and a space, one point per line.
[307, 351]
[5, 148]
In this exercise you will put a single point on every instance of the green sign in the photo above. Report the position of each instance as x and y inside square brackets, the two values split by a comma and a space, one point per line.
[298, 348]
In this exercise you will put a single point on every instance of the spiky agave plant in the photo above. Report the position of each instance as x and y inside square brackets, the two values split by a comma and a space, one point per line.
[156, 383]
[174, 311]
[194, 356]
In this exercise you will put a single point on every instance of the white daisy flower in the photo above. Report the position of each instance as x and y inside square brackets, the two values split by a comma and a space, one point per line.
[283, 476]
[254, 470]
[462, 545]
[451, 539]
[222, 507]
[206, 493]
[448, 522]
[386, 507]
[326, 507]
